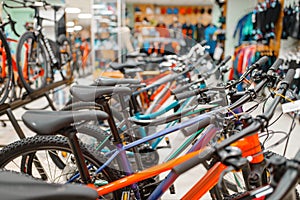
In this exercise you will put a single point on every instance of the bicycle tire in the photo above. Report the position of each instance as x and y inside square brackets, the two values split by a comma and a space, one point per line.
[4, 88]
[65, 56]
[33, 67]
[27, 150]
[102, 138]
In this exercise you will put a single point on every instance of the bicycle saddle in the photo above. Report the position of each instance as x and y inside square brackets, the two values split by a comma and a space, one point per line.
[91, 93]
[103, 81]
[15, 186]
[122, 66]
[135, 55]
[152, 60]
[50, 122]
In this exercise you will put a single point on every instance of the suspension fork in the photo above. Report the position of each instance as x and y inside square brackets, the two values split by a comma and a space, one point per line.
[251, 146]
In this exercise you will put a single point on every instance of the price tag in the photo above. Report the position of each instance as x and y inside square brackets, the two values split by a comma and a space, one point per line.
[291, 106]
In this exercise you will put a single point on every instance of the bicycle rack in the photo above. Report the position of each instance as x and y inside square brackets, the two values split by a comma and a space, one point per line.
[7, 108]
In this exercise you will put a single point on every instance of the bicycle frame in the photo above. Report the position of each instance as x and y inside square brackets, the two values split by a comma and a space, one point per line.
[207, 182]
[122, 149]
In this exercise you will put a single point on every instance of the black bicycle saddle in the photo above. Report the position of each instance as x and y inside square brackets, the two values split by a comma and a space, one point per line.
[16, 186]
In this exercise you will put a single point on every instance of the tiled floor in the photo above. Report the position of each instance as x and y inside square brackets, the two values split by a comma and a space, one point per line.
[8, 135]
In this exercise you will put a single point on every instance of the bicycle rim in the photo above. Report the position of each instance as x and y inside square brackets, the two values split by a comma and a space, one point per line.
[5, 68]
[32, 61]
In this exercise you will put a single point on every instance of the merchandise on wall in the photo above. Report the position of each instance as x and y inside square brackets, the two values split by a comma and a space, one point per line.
[258, 35]
[184, 26]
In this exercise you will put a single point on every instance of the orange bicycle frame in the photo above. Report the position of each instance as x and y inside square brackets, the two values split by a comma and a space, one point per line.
[249, 145]
[207, 182]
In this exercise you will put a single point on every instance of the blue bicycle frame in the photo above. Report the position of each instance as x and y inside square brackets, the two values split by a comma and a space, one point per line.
[122, 149]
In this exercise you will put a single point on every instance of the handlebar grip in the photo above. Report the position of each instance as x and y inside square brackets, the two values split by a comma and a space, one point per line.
[289, 76]
[185, 95]
[180, 89]
[263, 60]
[276, 65]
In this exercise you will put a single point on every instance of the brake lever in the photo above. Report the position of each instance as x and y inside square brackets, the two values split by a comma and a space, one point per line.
[232, 157]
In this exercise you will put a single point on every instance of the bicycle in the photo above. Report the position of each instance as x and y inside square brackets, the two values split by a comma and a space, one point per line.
[37, 56]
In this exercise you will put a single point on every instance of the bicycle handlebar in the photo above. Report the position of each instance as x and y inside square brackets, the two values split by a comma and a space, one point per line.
[257, 64]
[258, 122]
[289, 76]
[263, 60]
[275, 66]
[252, 128]
[11, 22]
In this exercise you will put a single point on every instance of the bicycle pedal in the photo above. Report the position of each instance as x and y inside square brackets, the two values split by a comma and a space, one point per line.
[125, 195]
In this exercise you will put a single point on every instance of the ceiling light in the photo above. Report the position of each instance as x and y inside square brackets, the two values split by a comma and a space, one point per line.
[70, 30]
[72, 10]
[70, 24]
[84, 16]
[77, 28]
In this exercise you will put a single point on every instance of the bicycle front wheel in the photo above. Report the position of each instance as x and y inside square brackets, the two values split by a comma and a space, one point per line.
[32, 61]
[5, 68]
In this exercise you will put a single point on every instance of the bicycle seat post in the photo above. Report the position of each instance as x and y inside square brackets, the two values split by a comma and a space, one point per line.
[80, 161]
[125, 111]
